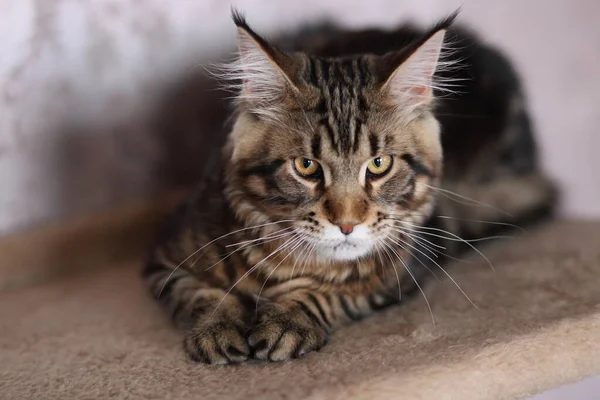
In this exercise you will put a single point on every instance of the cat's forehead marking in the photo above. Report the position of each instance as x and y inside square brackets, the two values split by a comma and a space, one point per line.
[341, 108]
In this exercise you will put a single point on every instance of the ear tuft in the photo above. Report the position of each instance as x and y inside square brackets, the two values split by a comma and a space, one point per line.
[258, 75]
[413, 80]
[262, 81]
[238, 18]
[410, 80]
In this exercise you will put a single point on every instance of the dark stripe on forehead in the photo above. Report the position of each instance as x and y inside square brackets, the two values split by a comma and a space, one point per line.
[389, 139]
[316, 146]
[343, 118]
[341, 105]
[324, 122]
[357, 134]
[374, 142]
[355, 111]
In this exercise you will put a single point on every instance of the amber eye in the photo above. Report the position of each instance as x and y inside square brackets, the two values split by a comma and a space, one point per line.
[306, 167]
[379, 165]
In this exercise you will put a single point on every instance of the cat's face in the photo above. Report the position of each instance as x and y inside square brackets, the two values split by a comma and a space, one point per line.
[338, 152]
[343, 196]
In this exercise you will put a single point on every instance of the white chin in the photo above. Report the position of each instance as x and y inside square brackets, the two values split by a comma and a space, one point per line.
[343, 251]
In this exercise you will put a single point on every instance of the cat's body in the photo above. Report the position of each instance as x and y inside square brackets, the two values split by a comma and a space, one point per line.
[322, 209]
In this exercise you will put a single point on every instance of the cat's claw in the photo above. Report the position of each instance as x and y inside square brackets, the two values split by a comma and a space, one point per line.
[220, 342]
[281, 336]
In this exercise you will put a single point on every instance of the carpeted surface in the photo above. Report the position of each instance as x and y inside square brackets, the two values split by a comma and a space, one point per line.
[97, 335]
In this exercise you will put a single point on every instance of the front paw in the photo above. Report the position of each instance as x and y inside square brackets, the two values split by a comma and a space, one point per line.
[217, 342]
[284, 334]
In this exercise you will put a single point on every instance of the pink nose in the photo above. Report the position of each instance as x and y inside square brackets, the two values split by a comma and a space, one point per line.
[347, 228]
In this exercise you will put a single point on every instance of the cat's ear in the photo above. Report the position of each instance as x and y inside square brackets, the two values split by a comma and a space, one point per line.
[261, 68]
[409, 74]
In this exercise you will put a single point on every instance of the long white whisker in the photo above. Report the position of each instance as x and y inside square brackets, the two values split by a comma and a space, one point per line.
[305, 249]
[395, 270]
[313, 246]
[463, 219]
[294, 245]
[400, 244]
[417, 239]
[452, 234]
[429, 249]
[245, 247]
[483, 222]
[268, 236]
[250, 270]
[414, 279]
[445, 272]
[429, 242]
[448, 194]
[380, 258]
[211, 242]
[454, 238]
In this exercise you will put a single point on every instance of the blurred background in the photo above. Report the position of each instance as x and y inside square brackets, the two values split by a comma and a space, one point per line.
[84, 87]
[100, 105]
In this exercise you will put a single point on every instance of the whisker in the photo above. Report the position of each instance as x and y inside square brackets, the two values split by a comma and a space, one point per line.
[455, 238]
[211, 242]
[380, 258]
[306, 247]
[413, 256]
[448, 194]
[268, 236]
[417, 240]
[509, 225]
[295, 244]
[429, 242]
[313, 246]
[445, 272]
[483, 222]
[385, 248]
[414, 279]
[250, 270]
[458, 238]
[244, 247]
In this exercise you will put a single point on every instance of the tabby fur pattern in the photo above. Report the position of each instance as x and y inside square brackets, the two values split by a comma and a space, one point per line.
[329, 201]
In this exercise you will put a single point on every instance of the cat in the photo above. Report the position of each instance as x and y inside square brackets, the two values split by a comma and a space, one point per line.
[353, 158]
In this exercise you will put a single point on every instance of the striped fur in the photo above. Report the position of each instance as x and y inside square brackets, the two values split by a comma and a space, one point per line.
[263, 262]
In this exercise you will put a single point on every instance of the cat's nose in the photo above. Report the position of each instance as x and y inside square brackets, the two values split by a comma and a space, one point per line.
[346, 228]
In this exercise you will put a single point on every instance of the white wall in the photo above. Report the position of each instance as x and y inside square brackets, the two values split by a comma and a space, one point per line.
[67, 64]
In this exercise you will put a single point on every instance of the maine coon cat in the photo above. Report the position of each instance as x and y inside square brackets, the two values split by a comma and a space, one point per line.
[353, 159]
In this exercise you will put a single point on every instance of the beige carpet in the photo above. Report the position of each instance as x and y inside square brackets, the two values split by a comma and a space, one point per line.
[96, 334]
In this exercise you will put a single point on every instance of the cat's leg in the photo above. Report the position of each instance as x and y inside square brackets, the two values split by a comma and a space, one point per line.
[214, 321]
[297, 321]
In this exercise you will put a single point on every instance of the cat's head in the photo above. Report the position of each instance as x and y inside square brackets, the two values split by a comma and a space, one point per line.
[342, 149]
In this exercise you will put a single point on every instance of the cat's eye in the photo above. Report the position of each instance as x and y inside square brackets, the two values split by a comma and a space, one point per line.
[306, 167]
[379, 165]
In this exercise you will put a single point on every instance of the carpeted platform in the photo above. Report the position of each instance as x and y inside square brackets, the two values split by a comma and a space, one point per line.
[96, 334]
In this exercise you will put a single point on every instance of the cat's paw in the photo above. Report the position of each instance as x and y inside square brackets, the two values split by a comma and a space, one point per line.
[217, 342]
[284, 334]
